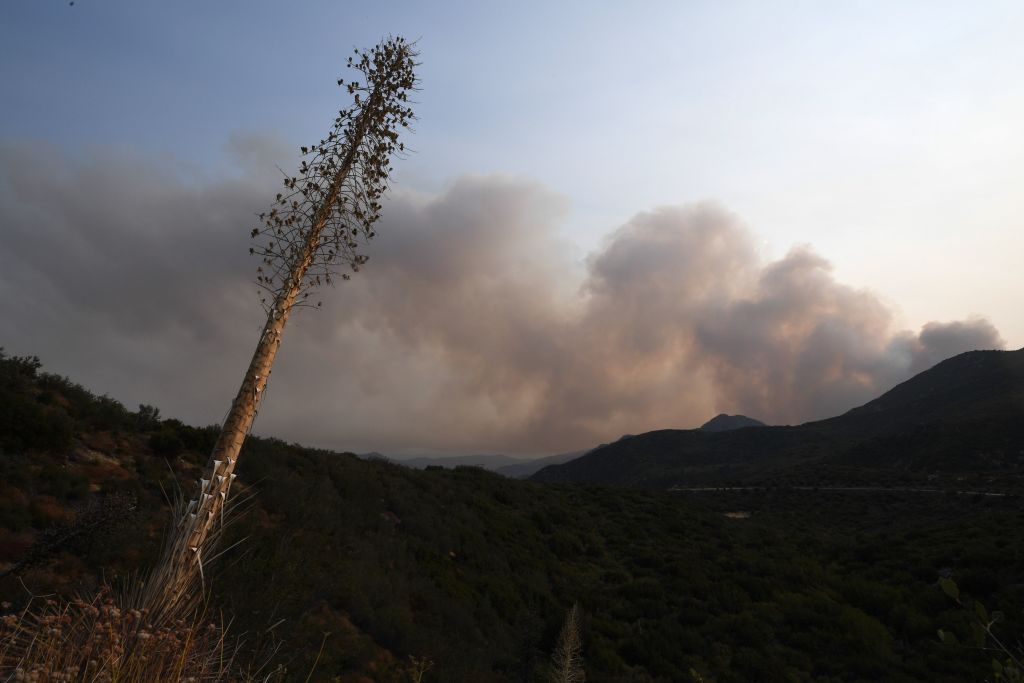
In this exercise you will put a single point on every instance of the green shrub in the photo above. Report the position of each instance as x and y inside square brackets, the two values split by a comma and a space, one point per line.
[166, 442]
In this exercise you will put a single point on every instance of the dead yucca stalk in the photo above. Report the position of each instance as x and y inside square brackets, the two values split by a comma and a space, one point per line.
[150, 591]
[567, 658]
[313, 229]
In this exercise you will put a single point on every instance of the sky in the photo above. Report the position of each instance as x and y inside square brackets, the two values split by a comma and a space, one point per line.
[614, 219]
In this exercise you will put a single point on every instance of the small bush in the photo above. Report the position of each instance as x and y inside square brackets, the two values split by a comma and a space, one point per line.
[166, 442]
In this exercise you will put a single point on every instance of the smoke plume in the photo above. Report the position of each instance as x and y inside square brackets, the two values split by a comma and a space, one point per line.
[469, 329]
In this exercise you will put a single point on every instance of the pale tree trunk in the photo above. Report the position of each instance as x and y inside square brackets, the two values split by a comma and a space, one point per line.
[172, 585]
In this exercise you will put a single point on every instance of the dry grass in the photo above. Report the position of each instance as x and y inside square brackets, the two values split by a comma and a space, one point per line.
[100, 640]
[155, 630]
[144, 633]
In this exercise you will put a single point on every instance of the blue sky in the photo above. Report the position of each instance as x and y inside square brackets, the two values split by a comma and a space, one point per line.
[885, 135]
[864, 128]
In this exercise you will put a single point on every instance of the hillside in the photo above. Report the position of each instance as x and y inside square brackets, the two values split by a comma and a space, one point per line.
[487, 461]
[976, 386]
[527, 468]
[962, 418]
[725, 423]
[475, 571]
[516, 468]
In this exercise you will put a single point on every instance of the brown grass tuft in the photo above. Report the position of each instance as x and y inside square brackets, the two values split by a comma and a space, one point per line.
[102, 640]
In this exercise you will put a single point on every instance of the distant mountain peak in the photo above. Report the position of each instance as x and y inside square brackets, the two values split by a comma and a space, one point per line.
[725, 423]
[965, 415]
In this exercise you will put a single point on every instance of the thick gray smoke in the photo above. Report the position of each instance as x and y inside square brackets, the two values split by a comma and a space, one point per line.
[468, 330]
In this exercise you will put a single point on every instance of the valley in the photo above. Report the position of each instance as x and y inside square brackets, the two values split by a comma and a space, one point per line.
[817, 582]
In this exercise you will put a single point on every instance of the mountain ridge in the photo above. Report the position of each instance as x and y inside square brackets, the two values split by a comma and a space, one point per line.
[488, 461]
[724, 423]
[965, 413]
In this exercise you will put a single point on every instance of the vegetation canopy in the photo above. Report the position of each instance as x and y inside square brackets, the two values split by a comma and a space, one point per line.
[474, 572]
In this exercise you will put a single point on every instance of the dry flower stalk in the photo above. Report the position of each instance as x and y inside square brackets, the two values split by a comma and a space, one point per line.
[314, 228]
